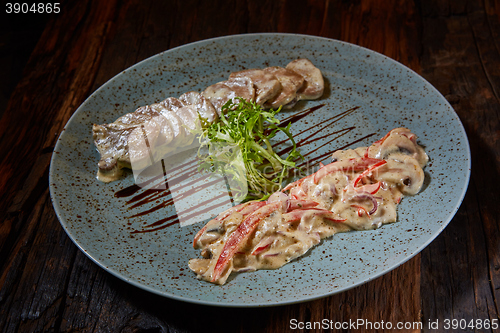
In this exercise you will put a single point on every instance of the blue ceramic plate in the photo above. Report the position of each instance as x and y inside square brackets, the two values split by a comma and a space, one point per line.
[384, 95]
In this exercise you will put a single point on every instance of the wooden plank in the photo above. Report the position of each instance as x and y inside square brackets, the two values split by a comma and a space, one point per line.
[374, 294]
[57, 79]
[461, 268]
[70, 62]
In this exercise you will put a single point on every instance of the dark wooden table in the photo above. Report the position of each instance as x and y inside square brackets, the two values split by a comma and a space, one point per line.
[47, 284]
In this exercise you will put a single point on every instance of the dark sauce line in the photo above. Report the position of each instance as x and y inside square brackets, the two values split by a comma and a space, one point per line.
[183, 165]
[356, 141]
[342, 131]
[143, 197]
[155, 191]
[132, 189]
[201, 187]
[308, 162]
[153, 209]
[161, 222]
[127, 191]
[192, 208]
[154, 194]
[329, 153]
[304, 142]
[159, 228]
[161, 194]
[331, 120]
[300, 115]
[190, 171]
[334, 119]
[203, 203]
[170, 202]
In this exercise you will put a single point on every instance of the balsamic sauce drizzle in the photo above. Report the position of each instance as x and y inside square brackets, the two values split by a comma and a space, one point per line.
[160, 189]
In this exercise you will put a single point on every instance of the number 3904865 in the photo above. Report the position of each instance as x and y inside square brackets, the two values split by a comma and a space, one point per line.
[36, 8]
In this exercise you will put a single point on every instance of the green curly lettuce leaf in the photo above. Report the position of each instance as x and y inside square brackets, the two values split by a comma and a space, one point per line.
[247, 129]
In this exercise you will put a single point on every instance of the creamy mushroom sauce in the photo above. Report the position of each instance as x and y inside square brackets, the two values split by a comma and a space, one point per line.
[359, 190]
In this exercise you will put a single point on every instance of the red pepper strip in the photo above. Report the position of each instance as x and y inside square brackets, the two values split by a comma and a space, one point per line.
[269, 240]
[367, 171]
[295, 183]
[252, 207]
[361, 209]
[245, 208]
[412, 137]
[369, 188]
[198, 235]
[240, 235]
[354, 164]
[260, 249]
[231, 210]
[366, 152]
[298, 193]
[296, 186]
[300, 204]
[334, 220]
[293, 216]
[383, 139]
[297, 214]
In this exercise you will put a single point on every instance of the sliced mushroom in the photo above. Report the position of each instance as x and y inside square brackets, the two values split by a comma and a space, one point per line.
[403, 170]
[399, 141]
[199, 266]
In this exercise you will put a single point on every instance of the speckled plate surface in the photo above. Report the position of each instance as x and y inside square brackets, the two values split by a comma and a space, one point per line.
[387, 95]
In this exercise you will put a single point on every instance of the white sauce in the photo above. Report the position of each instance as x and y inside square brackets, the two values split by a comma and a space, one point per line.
[358, 191]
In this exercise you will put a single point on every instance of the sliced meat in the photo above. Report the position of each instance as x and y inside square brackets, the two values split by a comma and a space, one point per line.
[202, 105]
[314, 84]
[190, 121]
[172, 103]
[169, 124]
[159, 135]
[267, 86]
[111, 140]
[218, 94]
[137, 117]
[168, 108]
[290, 82]
[122, 144]
[177, 127]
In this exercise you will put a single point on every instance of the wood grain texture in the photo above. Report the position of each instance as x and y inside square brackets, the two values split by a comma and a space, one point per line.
[461, 268]
[47, 284]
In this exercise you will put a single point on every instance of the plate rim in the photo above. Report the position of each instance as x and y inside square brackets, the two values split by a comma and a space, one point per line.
[302, 299]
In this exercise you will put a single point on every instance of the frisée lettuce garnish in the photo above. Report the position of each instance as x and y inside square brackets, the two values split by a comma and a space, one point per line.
[244, 127]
